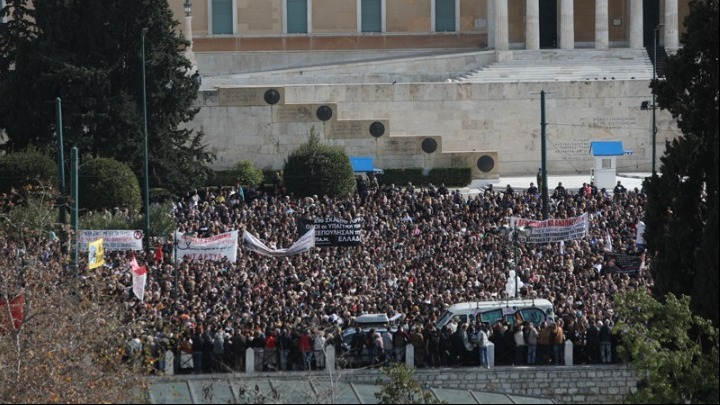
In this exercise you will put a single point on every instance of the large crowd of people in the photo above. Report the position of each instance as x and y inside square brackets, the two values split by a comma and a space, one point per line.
[423, 249]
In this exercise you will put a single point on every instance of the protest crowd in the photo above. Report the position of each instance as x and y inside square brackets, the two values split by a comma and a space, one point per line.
[422, 249]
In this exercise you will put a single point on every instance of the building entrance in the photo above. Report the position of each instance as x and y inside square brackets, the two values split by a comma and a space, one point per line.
[548, 24]
[651, 19]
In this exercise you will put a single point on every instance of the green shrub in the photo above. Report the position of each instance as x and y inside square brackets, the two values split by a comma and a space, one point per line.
[100, 221]
[401, 177]
[107, 183]
[248, 174]
[269, 176]
[162, 195]
[319, 169]
[19, 168]
[221, 178]
[162, 222]
[451, 176]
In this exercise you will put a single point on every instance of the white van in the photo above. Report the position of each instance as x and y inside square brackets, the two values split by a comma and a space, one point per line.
[489, 312]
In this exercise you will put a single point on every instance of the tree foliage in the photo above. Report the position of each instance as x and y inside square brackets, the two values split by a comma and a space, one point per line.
[674, 352]
[162, 222]
[16, 169]
[681, 215]
[314, 168]
[88, 53]
[248, 174]
[401, 387]
[107, 183]
[66, 348]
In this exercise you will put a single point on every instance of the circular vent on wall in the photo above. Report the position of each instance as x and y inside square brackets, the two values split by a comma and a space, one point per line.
[324, 113]
[486, 163]
[272, 96]
[429, 145]
[377, 129]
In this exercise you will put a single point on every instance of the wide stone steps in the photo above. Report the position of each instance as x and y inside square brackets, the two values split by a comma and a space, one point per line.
[564, 65]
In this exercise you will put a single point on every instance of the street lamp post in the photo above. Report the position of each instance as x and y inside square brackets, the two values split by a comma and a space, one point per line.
[514, 234]
[189, 54]
[654, 126]
[145, 146]
[187, 241]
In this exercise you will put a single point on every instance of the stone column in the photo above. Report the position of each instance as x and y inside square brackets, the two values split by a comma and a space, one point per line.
[602, 32]
[671, 39]
[249, 360]
[532, 24]
[636, 24]
[330, 358]
[491, 23]
[568, 352]
[502, 41]
[567, 25]
[491, 354]
[410, 355]
[169, 363]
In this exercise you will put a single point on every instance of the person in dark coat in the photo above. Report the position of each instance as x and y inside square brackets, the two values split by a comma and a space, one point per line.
[238, 350]
[593, 343]
[197, 350]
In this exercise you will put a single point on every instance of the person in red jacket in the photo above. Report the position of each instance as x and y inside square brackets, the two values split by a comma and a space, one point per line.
[270, 357]
[306, 346]
[159, 257]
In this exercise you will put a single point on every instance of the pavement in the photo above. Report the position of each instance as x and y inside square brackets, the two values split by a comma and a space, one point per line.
[571, 182]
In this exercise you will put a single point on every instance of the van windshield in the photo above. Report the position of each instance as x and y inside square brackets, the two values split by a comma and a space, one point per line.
[444, 319]
[490, 312]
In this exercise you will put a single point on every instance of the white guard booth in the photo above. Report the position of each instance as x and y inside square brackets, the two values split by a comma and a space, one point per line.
[605, 155]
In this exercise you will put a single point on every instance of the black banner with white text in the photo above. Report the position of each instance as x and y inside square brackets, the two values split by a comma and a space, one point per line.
[334, 231]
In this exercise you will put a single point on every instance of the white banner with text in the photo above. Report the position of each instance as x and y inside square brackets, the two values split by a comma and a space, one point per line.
[113, 239]
[213, 248]
[553, 230]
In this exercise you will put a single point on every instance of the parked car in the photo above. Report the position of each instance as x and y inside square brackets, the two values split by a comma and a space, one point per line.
[355, 351]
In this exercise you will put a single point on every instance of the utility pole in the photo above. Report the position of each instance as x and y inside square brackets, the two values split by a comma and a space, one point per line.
[654, 125]
[60, 159]
[148, 246]
[543, 157]
[74, 160]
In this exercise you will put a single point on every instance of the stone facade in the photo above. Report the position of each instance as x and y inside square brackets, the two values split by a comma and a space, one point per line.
[262, 25]
[468, 121]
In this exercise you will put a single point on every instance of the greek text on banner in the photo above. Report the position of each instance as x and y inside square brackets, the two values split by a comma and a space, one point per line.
[217, 247]
[553, 230]
[333, 231]
[113, 239]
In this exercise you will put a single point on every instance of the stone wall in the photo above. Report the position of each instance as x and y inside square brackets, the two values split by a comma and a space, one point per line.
[469, 121]
[565, 384]
[233, 63]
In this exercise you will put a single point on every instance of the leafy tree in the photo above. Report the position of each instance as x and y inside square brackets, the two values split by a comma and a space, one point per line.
[88, 53]
[15, 33]
[681, 215]
[314, 168]
[107, 183]
[248, 174]
[65, 350]
[401, 387]
[674, 352]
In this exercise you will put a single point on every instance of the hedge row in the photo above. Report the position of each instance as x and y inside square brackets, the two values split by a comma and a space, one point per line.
[230, 178]
[450, 176]
[222, 178]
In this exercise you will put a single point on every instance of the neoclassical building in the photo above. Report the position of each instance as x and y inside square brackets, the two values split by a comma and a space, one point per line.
[305, 25]
[433, 83]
